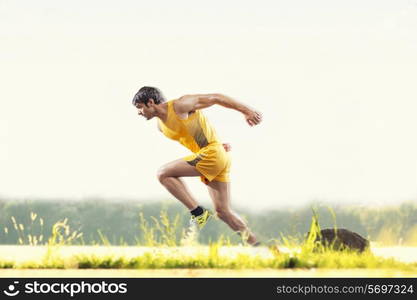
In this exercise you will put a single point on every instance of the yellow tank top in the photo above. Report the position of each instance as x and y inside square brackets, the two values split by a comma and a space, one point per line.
[194, 133]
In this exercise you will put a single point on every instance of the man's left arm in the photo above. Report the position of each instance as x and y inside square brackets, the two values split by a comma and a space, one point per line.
[189, 103]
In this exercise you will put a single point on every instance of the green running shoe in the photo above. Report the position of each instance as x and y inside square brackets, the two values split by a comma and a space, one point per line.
[201, 220]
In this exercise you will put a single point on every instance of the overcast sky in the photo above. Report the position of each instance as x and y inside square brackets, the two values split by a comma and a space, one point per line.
[335, 80]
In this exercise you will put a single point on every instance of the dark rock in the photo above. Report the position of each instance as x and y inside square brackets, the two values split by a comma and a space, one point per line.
[339, 239]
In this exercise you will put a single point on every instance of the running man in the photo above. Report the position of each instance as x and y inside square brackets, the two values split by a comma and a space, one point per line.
[182, 120]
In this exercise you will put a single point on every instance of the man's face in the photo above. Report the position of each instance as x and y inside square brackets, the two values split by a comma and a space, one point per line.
[147, 112]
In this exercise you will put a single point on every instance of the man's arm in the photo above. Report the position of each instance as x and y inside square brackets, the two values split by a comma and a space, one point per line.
[189, 103]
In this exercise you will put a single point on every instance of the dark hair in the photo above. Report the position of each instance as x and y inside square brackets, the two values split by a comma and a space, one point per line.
[147, 92]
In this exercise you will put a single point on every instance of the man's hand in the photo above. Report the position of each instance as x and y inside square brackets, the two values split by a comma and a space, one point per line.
[227, 147]
[253, 117]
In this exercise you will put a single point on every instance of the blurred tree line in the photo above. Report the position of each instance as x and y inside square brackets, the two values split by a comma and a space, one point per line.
[119, 223]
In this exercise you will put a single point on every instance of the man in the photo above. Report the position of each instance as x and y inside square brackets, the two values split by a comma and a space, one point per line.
[182, 120]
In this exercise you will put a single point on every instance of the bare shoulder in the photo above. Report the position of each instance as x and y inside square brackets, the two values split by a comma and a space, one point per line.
[185, 103]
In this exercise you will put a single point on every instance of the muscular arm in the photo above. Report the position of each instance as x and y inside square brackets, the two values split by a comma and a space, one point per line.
[189, 103]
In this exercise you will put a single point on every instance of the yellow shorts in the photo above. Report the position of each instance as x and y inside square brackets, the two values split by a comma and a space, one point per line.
[213, 162]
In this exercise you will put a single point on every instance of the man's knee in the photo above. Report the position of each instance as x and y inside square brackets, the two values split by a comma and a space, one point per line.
[223, 212]
[162, 174]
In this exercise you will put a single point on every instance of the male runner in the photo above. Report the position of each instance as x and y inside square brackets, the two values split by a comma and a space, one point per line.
[182, 120]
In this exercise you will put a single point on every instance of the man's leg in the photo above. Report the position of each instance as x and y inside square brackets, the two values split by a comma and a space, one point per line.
[220, 194]
[169, 175]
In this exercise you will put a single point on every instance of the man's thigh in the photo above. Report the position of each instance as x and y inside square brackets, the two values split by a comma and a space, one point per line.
[179, 168]
[219, 193]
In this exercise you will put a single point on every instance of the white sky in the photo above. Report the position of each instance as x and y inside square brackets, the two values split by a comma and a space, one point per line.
[335, 80]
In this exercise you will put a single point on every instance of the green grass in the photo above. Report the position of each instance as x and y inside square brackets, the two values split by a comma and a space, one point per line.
[332, 260]
[210, 258]
[161, 236]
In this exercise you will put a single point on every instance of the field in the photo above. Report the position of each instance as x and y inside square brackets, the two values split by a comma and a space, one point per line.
[160, 247]
[202, 261]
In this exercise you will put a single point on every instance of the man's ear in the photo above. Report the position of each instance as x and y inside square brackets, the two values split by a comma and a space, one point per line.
[151, 102]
